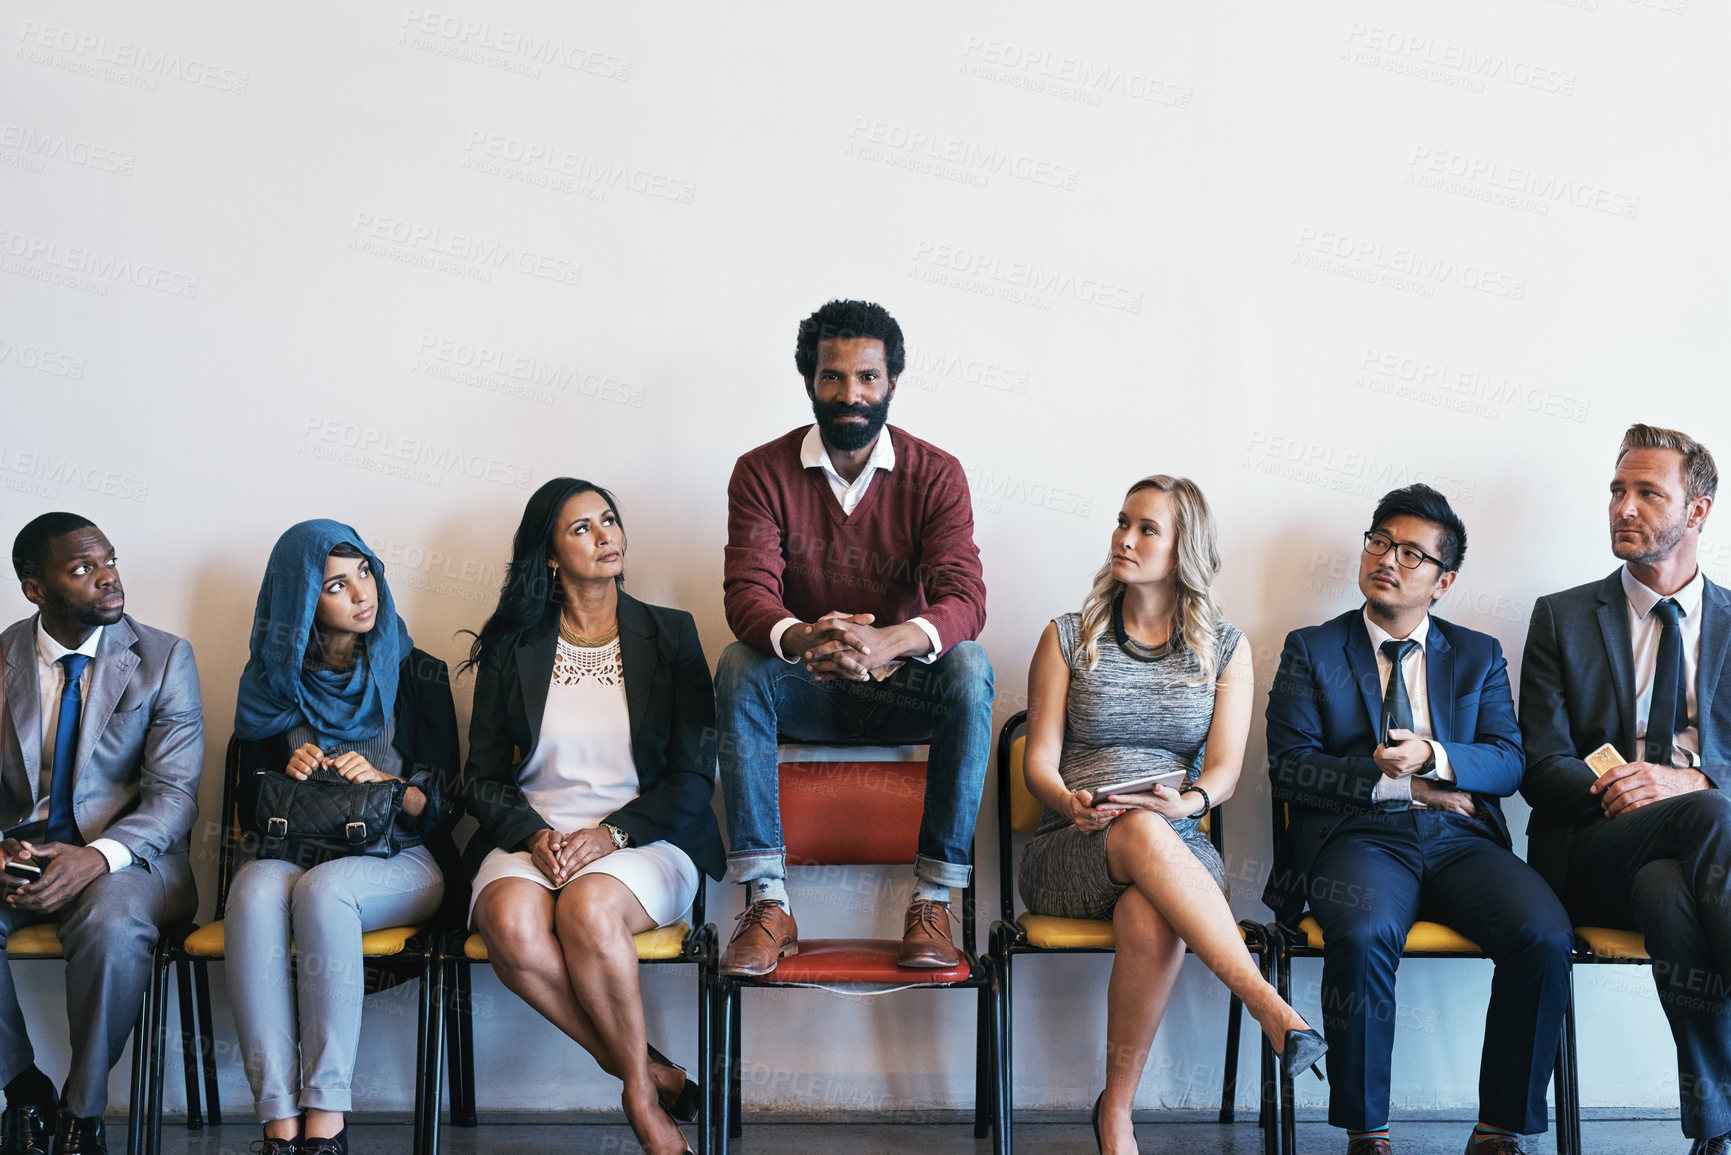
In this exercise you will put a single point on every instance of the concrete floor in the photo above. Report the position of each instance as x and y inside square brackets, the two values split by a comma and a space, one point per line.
[1601, 1137]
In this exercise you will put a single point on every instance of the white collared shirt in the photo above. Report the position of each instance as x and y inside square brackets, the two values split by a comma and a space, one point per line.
[1644, 631]
[1418, 695]
[50, 684]
[813, 455]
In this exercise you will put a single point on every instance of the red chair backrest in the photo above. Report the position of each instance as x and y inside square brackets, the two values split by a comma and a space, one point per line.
[847, 813]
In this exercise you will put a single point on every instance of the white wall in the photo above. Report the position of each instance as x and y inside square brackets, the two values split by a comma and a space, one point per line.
[264, 264]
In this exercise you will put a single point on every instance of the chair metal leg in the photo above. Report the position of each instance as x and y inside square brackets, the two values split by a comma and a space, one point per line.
[189, 1038]
[1229, 1075]
[463, 1111]
[1288, 1113]
[735, 1060]
[158, 1003]
[1004, 1106]
[715, 1078]
[207, 1042]
[1569, 1081]
[985, 1075]
[429, 1087]
[705, 1050]
[137, 1121]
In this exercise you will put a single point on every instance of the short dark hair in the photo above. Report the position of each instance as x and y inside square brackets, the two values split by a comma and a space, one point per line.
[1421, 501]
[1700, 475]
[842, 320]
[30, 547]
[344, 549]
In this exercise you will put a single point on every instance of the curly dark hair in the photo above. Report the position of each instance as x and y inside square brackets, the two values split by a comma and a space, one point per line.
[842, 320]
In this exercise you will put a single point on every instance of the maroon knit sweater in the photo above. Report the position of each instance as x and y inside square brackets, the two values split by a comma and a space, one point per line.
[906, 551]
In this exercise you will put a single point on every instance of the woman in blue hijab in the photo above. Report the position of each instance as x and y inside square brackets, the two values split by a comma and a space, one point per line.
[333, 682]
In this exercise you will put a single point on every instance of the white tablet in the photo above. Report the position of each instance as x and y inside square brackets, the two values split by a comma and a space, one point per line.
[1171, 779]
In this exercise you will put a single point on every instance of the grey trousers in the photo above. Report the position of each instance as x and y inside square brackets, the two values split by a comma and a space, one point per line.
[298, 1014]
[107, 934]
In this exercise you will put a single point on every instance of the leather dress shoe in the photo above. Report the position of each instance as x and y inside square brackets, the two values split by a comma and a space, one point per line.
[926, 936]
[79, 1136]
[1495, 1145]
[1375, 1146]
[766, 931]
[1718, 1145]
[27, 1129]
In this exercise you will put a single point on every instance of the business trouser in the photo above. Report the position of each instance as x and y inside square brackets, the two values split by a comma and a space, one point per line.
[107, 934]
[1373, 878]
[1663, 869]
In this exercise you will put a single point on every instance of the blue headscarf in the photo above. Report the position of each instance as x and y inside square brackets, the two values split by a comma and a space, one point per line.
[275, 691]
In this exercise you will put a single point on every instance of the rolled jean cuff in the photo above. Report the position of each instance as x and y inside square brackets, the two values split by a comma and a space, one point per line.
[337, 1099]
[940, 873]
[751, 865]
[280, 1107]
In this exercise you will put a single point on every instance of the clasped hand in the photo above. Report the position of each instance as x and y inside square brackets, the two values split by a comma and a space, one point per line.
[350, 765]
[1637, 784]
[1079, 806]
[560, 856]
[66, 871]
[1404, 755]
[841, 645]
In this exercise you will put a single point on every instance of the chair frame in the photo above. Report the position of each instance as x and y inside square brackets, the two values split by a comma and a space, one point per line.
[453, 1031]
[725, 1113]
[1009, 940]
[1289, 943]
[419, 957]
[1568, 1082]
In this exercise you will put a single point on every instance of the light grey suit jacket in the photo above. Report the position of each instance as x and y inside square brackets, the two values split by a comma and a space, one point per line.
[140, 742]
[1578, 693]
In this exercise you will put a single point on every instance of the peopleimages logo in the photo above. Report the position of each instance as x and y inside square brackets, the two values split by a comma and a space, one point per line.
[87, 51]
[415, 242]
[1398, 266]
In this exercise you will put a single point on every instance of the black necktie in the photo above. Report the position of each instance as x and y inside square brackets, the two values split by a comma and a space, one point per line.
[1396, 706]
[1669, 711]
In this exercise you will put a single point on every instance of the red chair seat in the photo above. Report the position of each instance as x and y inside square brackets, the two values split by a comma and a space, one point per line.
[858, 960]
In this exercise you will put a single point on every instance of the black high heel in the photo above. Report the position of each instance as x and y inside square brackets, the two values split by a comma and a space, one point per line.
[1099, 1143]
[1303, 1049]
[684, 1105]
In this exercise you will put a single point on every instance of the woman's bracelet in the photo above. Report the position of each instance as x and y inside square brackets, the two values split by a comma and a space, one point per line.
[1207, 803]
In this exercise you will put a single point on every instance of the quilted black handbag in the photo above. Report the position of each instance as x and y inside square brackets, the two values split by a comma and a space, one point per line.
[325, 814]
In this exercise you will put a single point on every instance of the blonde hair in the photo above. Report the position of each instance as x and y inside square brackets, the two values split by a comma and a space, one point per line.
[1196, 615]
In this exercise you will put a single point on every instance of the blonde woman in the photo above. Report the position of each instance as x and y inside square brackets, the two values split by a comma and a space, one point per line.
[1147, 680]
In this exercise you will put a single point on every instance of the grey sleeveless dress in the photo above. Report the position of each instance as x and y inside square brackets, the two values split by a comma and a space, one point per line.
[1131, 714]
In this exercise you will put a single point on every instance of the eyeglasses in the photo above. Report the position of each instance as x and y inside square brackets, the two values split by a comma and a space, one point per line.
[1377, 543]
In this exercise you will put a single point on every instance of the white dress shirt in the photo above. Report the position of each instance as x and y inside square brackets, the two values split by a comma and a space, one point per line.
[1418, 694]
[50, 684]
[1644, 631]
[813, 455]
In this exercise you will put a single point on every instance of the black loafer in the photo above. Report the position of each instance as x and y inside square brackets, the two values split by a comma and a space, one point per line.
[27, 1129]
[76, 1136]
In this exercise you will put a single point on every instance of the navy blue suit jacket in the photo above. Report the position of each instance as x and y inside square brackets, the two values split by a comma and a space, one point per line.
[1324, 715]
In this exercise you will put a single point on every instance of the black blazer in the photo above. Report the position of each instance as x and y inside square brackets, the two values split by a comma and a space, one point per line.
[1323, 714]
[1578, 692]
[426, 738]
[671, 702]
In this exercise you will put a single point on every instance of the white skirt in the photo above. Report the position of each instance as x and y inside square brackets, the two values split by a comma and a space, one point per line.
[661, 876]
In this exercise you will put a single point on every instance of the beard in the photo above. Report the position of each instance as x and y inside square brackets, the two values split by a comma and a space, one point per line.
[1655, 546]
[847, 436]
[91, 613]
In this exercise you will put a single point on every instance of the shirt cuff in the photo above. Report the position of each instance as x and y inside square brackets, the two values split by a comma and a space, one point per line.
[775, 633]
[1443, 772]
[118, 854]
[937, 642]
[1391, 789]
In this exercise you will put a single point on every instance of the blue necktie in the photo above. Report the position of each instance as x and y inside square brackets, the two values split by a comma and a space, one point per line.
[61, 825]
[1396, 706]
[1668, 713]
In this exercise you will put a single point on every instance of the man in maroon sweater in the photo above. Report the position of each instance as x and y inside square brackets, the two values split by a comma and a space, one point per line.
[854, 587]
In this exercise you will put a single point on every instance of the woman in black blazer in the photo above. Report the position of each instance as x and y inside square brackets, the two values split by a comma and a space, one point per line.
[591, 768]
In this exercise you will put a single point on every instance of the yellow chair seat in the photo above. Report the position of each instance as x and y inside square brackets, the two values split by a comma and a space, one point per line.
[38, 940]
[1614, 944]
[664, 942]
[207, 941]
[1423, 938]
[1049, 932]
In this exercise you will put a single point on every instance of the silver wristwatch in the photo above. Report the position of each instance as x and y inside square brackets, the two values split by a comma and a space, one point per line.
[621, 840]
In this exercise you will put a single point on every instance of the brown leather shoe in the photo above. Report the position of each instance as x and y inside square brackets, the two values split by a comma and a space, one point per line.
[765, 933]
[926, 936]
[1495, 1145]
[1377, 1146]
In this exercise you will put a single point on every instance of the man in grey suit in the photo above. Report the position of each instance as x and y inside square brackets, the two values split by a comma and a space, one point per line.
[103, 745]
[1633, 661]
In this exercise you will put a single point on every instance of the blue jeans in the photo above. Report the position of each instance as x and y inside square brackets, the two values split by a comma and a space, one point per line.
[948, 702]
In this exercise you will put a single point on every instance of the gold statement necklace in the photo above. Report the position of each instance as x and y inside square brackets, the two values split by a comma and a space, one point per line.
[571, 636]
